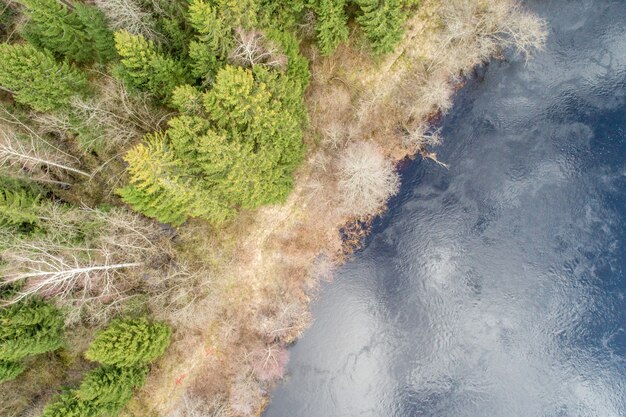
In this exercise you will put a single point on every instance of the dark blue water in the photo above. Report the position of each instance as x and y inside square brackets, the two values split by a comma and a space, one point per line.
[495, 288]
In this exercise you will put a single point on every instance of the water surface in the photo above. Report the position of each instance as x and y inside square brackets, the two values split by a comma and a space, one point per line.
[495, 288]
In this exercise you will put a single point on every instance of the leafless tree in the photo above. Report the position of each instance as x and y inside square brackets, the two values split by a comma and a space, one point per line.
[129, 15]
[33, 158]
[366, 179]
[67, 273]
[252, 48]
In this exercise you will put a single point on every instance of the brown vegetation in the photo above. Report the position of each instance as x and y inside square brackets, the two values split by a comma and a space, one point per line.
[265, 267]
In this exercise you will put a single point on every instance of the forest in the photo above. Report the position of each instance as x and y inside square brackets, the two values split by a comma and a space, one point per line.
[176, 176]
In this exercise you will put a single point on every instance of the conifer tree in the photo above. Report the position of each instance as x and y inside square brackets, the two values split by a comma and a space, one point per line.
[69, 405]
[109, 388]
[29, 328]
[145, 68]
[36, 79]
[129, 343]
[80, 34]
[158, 186]
[240, 149]
[382, 22]
[18, 209]
[332, 25]
[10, 370]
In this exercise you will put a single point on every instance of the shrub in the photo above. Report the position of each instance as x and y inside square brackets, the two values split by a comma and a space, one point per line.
[36, 79]
[366, 179]
[19, 210]
[29, 328]
[10, 370]
[129, 343]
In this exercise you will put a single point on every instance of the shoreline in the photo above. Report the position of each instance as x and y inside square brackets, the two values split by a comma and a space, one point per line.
[230, 348]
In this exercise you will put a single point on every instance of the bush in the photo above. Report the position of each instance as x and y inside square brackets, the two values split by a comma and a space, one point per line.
[366, 179]
[10, 370]
[129, 343]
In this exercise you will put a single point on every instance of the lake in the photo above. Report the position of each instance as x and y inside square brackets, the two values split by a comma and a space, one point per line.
[494, 288]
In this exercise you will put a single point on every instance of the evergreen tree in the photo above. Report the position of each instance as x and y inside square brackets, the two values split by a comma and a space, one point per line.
[240, 149]
[129, 343]
[80, 34]
[158, 186]
[382, 22]
[69, 405]
[332, 24]
[19, 210]
[29, 328]
[10, 370]
[108, 389]
[36, 79]
[145, 68]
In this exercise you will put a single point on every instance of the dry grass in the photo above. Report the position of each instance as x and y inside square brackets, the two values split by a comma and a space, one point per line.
[264, 268]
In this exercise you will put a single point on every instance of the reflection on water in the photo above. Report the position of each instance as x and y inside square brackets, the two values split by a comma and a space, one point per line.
[496, 288]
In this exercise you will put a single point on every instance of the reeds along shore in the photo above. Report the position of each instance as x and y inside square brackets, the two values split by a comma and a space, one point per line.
[365, 115]
[235, 296]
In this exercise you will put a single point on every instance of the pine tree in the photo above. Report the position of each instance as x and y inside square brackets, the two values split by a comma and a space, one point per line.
[382, 22]
[19, 210]
[238, 150]
[158, 186]
[29, 328]
[332, 25]
[129, 343]
[10, 370]
[69, 405]
[108, 388]
[145, 68]
[80, 34]
[36, 79]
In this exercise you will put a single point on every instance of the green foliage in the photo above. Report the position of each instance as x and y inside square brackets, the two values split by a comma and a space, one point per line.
[240, 149]
[36, 79]
[29, 328]
[239, 13]
[158, 187]
[332, 24]
[80, 34]
[19, 210]
[10, 370]
[69, 405]
[129, 343]
[145, 68]
[382, 23]
[109, 388]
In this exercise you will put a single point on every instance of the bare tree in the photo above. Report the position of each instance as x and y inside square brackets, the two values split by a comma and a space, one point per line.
[366, 179]
[55, 266]
[33, 158]
[129, 15]
[78, 274]
[252, 48]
